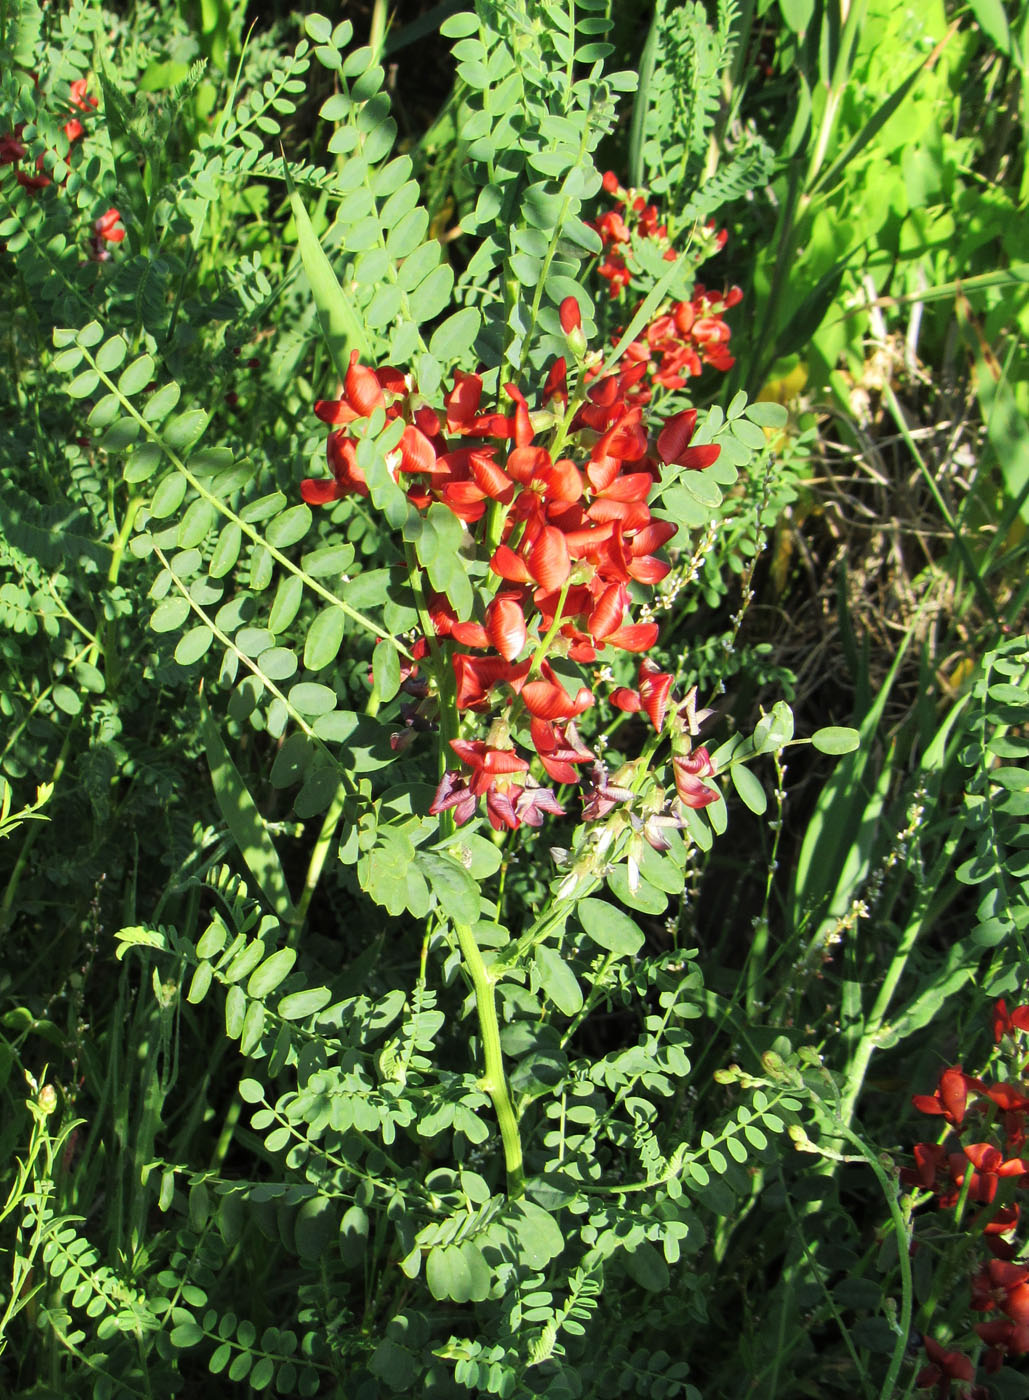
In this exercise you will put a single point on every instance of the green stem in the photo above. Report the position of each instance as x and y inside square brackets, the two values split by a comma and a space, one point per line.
[494, 1081]
[317, 862]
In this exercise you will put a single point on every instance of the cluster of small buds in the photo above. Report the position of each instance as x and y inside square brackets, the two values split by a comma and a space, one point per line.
[554, 499]
[985, 1166]
[107, 229]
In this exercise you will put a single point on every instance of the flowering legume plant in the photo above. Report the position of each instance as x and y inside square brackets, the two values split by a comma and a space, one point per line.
[450, 785]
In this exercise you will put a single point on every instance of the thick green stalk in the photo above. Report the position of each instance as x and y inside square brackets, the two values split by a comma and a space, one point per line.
[494, 1081]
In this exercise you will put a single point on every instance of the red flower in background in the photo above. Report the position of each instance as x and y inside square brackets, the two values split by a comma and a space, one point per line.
[108, 227]
[950, 1097]
[1007, 1022]
[82, 102]
[944, 1366]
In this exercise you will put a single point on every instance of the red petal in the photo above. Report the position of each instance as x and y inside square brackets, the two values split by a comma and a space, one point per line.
[549, 560]
[505, 624]
[549, 700]
[363, 389]
[648, 570]
[334, 411]
[674, 437]
[624, 699]
[638, 636]
[657, 533]
[565, 482]
[470, 634]
[416, 451]
[695, 459]
[607, 616]
[490, 478]
[630, 486]
[320, 491]
[510, 565]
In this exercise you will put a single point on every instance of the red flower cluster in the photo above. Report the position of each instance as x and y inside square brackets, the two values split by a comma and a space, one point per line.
[107, 228]
[984, 1166]
[679, 342]
[685, 336]
[12, 150]
[564, 527]
[616, 234]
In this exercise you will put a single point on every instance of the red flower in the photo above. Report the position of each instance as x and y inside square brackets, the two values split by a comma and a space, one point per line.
[81, 101]
[1009, 1022]
[989, 1160]
[362, 395]
[930, 1159]
[950, 1096]
[655, 687]
[559, 747]
[689, 769]
[348, 478]
[477, 676]
[548, 699]
[944, 1367]
[108, 227]
[1004, 1285]
[487, 763]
